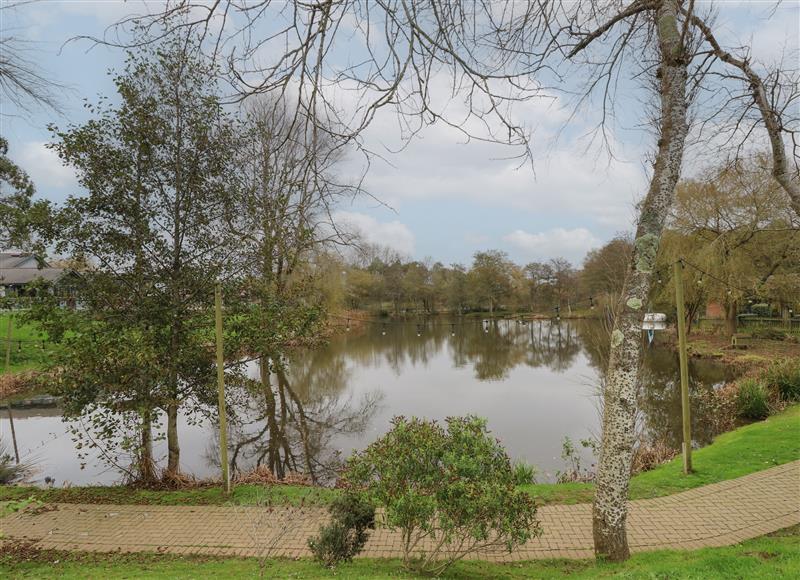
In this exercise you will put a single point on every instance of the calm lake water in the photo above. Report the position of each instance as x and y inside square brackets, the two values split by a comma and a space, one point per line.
[535, 384]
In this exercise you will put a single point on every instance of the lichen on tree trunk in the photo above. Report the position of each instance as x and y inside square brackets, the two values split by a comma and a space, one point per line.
[609, 512]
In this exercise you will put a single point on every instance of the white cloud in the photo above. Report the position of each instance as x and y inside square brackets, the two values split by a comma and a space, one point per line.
[112, 11]
[558, 242]
[393, 234]
[566, 180]
[44, 166]
[768, 30]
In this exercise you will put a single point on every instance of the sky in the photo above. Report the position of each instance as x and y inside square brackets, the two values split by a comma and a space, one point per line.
[440, 198]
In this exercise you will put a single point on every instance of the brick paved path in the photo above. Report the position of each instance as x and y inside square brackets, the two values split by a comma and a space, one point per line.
[714, 515]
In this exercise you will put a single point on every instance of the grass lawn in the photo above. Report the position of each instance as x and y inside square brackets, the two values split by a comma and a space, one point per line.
[27, 355]
[746, 450]
[242, 495]
[775, 556]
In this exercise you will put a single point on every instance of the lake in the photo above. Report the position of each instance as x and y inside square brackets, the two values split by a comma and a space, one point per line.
[535, 383]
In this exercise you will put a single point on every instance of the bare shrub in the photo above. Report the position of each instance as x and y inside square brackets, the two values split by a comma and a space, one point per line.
[647, 456]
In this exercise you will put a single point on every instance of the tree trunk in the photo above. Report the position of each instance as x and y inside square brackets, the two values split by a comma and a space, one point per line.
[731, 312]
[146, 464]
[273, 441]
[614, 468]
[174, 455]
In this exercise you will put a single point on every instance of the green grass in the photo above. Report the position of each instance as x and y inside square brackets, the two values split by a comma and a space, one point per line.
[27, 356]
[242, 495]
[776, 556]
[746, 450]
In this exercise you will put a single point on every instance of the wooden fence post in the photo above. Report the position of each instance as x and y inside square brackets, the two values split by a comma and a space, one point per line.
[684, 363]
[7, 367]
[223, 419]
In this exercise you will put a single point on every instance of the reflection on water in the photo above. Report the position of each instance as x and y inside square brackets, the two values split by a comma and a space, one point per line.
[535, 383]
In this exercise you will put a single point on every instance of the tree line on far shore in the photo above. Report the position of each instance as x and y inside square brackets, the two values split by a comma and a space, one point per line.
[732, 223]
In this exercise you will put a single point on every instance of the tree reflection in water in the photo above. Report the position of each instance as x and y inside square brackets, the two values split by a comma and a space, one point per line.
[660, 417]
[286, 417]
[289, 417]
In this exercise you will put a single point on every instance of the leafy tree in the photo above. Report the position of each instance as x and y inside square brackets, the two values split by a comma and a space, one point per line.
[539, 277]
[490, 277]
[457, 290]
[496, 55]
[417, 286]
[604, 269]
[736, 223]
[16, 202]
[563, 281]
[157, 170]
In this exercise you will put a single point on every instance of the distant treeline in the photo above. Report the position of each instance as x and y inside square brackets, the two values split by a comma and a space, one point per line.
[733, 224]
[492, 282]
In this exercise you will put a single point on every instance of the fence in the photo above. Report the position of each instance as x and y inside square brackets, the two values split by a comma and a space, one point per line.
[750, 323]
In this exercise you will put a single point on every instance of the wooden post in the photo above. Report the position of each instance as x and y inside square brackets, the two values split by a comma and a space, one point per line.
[223, 419]
[684, 362]
[13, 432]
[7, 367]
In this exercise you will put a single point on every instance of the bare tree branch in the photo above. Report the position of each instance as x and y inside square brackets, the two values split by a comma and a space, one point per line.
[772, 121]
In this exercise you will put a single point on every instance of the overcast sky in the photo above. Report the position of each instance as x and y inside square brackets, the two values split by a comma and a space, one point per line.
[442, 198]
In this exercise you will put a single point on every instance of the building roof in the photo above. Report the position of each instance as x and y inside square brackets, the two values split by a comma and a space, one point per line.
[18, 259]
[18, 268]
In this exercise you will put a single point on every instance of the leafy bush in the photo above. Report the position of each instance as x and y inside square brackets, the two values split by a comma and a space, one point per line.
[524, 473]
[346, 534]
[762, 309]
[752, 400]
[451, 491]
[784, 376]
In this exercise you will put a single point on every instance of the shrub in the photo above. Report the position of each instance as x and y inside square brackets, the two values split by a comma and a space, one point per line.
[719, 407]
[450, 491]
[524, 473]
[10, 471]
[648, 456]
[752, 399]
[762, 309]
[346, 534]
[575, 472]
[784, 376]
[767, 333]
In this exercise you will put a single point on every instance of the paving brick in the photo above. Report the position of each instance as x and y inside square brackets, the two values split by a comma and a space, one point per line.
[715, 515]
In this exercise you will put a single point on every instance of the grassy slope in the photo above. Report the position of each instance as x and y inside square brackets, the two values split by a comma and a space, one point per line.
[768, 557]
[31, 356]
[746, 450]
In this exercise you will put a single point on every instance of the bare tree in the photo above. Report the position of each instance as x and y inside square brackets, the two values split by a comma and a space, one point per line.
[23, 83]
[776, 99]
[416, 56]
[288, 187]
